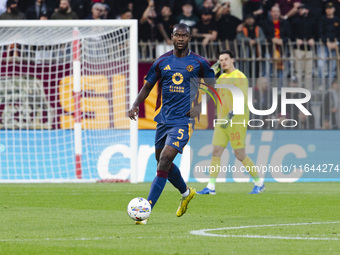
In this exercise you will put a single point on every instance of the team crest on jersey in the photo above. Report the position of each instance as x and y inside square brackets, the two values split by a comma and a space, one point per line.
[190, 68]
[177, 78]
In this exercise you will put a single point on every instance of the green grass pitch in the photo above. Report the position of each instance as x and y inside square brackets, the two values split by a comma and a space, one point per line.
[92, 219]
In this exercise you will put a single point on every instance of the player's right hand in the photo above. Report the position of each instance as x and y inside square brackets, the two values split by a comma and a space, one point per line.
[133, 113]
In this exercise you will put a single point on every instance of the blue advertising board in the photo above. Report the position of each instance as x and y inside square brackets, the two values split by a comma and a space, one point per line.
[281, 156]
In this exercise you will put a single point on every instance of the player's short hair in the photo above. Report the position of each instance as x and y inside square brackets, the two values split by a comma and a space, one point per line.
[184, 26]
[229, 52]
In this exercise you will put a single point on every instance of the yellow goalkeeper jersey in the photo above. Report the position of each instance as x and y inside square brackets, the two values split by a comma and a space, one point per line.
[238, 79]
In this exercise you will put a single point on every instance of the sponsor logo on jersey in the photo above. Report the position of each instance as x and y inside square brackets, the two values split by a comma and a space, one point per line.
[177, 78]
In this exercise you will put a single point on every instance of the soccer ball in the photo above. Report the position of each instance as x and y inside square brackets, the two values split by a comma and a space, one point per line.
[139, 209]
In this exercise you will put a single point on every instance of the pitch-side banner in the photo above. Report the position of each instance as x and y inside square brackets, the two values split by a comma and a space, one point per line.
[280, 156]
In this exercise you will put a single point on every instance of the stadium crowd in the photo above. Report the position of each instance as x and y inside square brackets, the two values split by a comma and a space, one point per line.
[312, 25]
[251, 20]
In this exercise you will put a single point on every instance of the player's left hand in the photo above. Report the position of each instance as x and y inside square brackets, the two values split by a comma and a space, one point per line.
[194, 112]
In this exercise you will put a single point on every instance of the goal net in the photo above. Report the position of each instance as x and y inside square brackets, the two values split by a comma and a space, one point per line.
[65, 88]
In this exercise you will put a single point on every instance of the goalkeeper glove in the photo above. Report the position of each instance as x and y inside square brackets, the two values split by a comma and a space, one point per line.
[217, 68]
[228, 118]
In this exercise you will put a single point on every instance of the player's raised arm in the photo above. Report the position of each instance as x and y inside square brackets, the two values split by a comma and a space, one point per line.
[142, 95]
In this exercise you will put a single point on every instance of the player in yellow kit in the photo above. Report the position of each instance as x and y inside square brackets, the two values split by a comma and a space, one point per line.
[233, 133]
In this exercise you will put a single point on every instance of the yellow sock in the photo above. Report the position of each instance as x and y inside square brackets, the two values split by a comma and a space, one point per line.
[250, 166]
[215, 165]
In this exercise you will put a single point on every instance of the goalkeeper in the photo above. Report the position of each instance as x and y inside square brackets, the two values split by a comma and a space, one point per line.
[235, 133]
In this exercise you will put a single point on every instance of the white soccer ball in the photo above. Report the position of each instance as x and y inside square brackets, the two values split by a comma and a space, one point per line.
[139, 209]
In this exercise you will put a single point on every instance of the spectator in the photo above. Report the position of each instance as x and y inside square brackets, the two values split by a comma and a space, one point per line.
[64, 11]
[267, 6]
[107, 12]
[53, 5]
[147, 23]
[277, 31]
[125, 13]
[206, 29]
[226, 23]
[138, 8]
[24, 4]
[331, 105]
[326, 124]
[86, 6]
[144, 12]
[37, 10]
[79, 8]
[329, 32]
[199, 2]
[97, 11]
[253, 36]
[262, 98]
[235, 7]
[293, 112]
[289, 8]
[187, 17]
[336, 4]
[118, 6]
[303, 31]
[165, 23]
[304, 121]
[315, 7]
[2, 6]
[209, 4]
[178, 7]
[249, 32]
[255, 8]
[12, 11]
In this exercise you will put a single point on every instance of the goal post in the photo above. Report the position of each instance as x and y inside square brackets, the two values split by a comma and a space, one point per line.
[65, 88]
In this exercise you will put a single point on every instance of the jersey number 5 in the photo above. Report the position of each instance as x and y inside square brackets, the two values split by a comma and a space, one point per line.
[180, 131]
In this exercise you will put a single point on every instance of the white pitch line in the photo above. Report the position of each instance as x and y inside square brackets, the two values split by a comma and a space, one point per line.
[85, 238]
[202, 232]
[58, 239]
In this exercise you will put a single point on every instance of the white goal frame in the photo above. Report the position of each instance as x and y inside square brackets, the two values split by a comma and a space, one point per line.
[133, 89]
